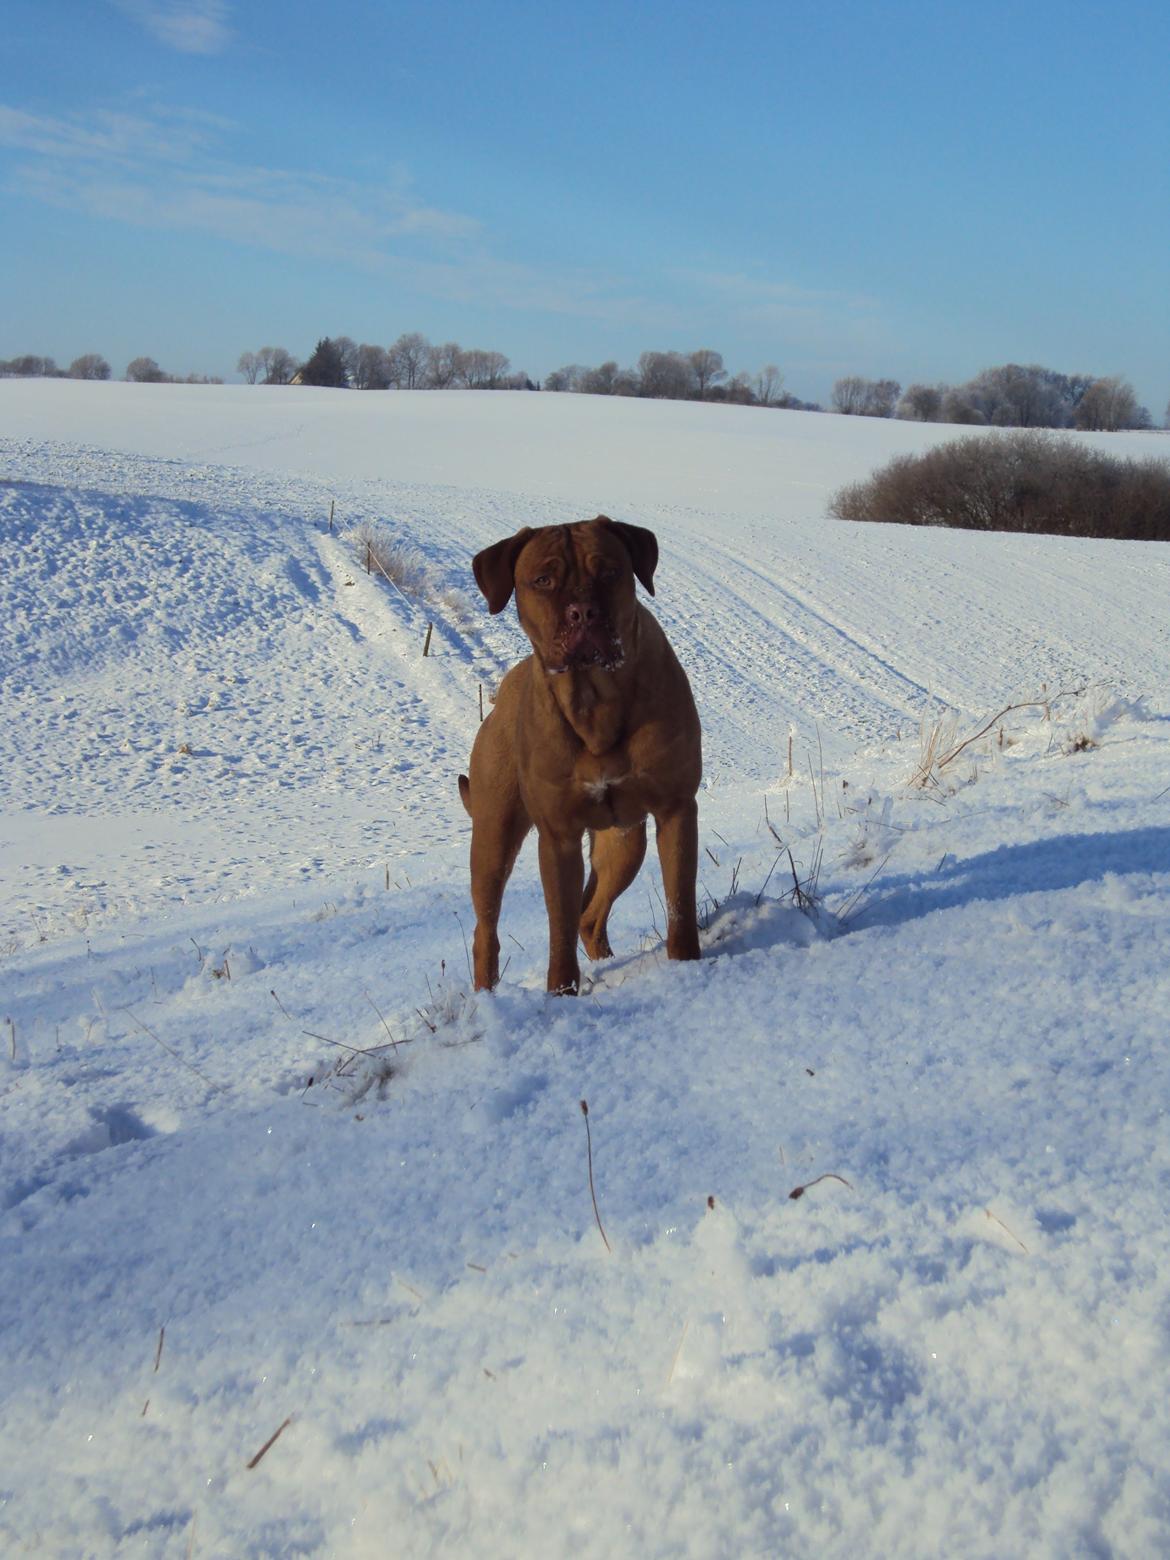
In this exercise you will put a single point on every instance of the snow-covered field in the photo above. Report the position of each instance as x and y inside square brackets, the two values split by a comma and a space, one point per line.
[267, 1164]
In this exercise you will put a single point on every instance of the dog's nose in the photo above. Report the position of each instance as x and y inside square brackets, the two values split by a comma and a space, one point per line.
[582, 614]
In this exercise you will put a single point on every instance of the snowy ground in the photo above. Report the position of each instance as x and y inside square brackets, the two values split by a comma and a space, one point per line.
[233, 866]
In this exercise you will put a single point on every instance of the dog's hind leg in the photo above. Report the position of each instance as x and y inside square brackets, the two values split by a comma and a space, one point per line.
[615, 856]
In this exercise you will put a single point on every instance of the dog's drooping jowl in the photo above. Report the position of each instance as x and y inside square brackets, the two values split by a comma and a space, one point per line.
[593, 733]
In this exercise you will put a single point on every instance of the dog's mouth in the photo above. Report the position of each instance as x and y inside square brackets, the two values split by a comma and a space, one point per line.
[588, 645]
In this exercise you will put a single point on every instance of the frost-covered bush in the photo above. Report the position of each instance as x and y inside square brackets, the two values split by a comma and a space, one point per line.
[377, 549]
[1033, 481]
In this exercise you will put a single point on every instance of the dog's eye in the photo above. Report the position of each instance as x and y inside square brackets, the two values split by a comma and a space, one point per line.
[543, 582]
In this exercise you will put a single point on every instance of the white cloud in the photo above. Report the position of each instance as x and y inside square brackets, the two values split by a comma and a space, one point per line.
[191, 26]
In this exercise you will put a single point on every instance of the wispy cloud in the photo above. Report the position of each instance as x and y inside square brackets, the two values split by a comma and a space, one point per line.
[172, 168]
[168, 169]
[110, 136]
[768, 301]
[191, 26]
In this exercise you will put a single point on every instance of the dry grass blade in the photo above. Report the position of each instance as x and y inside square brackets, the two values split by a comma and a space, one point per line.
[385, 1025]
[271, 1441]
[354, 1050]
[182, 1060]
[466, 949]
[996, 1220]
[768, 822]
[678, 1351]
[771, 869]
[855, 900]
[592, 1192]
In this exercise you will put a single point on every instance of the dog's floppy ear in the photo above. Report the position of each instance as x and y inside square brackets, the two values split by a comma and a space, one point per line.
[642, 546]
[495, 568]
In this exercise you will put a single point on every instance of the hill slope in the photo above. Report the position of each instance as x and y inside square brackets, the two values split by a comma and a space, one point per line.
[249, 1099]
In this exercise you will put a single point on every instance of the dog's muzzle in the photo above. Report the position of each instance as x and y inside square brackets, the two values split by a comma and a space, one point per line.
[585, 639]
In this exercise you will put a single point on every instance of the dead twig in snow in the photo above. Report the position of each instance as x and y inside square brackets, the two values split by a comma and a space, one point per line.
[271, 1441]
[592, 1193]
[281, 1006]
[829, 1175]
[996, 1220]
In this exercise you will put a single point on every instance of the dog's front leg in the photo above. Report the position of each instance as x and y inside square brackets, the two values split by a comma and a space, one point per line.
[562, 872]
[678, 853]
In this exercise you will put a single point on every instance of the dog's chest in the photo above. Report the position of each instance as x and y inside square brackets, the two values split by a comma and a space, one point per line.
[609, 789]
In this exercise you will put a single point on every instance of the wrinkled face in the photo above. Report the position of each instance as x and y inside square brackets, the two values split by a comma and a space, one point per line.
[575, 596]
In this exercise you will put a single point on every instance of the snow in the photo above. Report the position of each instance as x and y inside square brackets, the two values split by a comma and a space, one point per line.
[265, 1158]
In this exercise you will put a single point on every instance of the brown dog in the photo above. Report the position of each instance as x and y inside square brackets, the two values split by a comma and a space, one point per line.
[594, 731]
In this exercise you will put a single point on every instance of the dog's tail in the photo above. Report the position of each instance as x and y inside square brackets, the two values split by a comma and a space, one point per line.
[465, 793]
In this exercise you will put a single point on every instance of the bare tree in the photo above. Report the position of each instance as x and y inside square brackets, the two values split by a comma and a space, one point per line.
[708, 369]
[443, 366]
[602, 380]
[482, 370]
[568, 378]
[1019, 396]
[1110, 404]
[408, 359]
[91, 365]
[921, 403]
[857, 397]
[249, 366]
[277, 365]
[958, 406]
[666, 376]
[769, 385]
[348, 348]
[848, 396]
[30, 366]
[145, 371]
[737, 390]
[371, 370]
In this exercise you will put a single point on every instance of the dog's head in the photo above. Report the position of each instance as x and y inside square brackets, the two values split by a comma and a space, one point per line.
[574, 587]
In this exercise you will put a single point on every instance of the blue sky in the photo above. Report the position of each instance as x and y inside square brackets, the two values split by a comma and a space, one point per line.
[905, 190]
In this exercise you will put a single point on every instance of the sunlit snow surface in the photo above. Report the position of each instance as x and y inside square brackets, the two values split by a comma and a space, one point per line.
[233, 858]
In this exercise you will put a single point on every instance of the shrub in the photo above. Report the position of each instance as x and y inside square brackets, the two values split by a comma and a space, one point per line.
[1036, 482]
[379, 551]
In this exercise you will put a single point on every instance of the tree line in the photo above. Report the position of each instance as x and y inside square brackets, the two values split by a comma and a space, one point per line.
[680, 376]
[1010, 396]
[414, 363]
[91, 365]
[411, 363]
